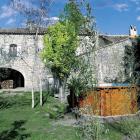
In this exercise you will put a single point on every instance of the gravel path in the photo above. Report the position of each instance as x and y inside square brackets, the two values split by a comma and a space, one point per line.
[68, 120]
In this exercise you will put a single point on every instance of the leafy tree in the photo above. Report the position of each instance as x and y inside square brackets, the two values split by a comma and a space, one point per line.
[59, 52]
[62, 40]
[72, 13]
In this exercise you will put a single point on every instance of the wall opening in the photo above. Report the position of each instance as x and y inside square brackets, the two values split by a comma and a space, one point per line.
[10, 79]
[13, 50]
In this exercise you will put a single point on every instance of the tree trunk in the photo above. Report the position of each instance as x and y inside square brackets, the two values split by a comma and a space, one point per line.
[33, 98]
[38, 63]
[33, 102]
[41, 93]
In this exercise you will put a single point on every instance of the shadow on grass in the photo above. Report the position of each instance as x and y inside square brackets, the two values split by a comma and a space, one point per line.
[45, 97]
[16, 132]
[4, 104]
[20, 101]
[9, 102]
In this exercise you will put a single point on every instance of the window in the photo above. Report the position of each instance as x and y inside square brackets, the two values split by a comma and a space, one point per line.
[13, 50]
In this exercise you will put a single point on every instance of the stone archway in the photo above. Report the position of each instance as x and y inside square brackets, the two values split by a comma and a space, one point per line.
[11, 78]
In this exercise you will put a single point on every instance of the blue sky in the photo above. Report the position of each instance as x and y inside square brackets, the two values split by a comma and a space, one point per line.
[115, 16]
[112, 16]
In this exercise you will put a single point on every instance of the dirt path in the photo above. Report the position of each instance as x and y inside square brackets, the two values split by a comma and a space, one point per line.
[68, 120]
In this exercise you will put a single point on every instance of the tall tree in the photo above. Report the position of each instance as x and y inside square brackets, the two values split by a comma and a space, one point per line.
[59, 51]
[72, 13]
[61, 43]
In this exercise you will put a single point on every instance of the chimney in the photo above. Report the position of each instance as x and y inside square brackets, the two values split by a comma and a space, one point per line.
[133, 31]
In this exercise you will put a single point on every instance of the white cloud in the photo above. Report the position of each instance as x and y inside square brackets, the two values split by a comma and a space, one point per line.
[54, 18]
[45, 22]
[138, 18]
[11, 21]
[137, 2]
[7, 11]
[51, 19]
[121, 7]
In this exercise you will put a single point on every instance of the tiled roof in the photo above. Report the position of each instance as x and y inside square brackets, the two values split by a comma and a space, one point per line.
[22, 31]
[109, 39]
[116, 39]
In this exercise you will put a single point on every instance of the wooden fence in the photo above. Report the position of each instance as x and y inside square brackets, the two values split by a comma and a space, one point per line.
[110, 101]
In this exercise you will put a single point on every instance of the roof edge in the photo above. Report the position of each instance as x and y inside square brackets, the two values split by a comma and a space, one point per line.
[23, 31]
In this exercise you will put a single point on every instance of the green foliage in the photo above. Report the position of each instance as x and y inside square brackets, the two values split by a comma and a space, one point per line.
[79, 13]
[59, 51]
[77, 85]
[82, 80]
[131, 61]
[54, 108]
[72, 13]
[61, 41]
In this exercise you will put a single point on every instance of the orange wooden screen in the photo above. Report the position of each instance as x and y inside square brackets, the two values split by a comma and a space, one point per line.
[110, 101]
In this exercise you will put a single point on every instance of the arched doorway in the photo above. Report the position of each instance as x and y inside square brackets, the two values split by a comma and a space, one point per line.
[10, 78]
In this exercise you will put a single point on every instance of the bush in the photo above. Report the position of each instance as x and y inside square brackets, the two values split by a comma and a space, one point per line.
[91, 129]
[55, 108]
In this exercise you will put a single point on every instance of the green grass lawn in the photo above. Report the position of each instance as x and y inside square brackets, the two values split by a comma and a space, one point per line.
[18, 121]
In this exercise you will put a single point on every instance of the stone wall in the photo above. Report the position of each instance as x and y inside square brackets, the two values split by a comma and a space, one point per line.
[26, 61]
[106, 61]
[110, 63]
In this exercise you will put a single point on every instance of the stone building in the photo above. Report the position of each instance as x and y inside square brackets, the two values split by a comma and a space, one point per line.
[19, 57]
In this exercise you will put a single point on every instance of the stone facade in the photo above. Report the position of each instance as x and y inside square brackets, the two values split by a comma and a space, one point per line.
[110, 62]
[27, 60]
[107, 57]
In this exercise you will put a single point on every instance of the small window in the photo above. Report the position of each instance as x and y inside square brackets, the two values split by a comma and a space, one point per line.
[13, 50]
